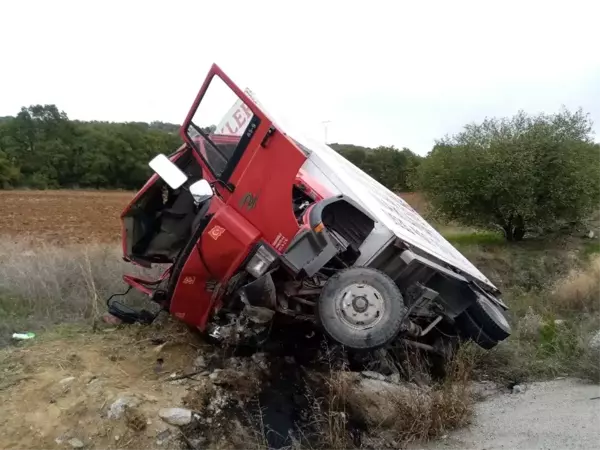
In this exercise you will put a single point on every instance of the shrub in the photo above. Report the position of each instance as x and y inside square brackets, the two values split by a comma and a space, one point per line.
[522, 173]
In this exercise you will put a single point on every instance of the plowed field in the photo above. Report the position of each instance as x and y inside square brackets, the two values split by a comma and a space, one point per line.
[76, 217]
[62, 217]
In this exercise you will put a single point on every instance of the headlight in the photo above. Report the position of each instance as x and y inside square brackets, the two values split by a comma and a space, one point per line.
[260, 262]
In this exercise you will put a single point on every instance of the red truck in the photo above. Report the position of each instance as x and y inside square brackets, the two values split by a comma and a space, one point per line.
[256, 224]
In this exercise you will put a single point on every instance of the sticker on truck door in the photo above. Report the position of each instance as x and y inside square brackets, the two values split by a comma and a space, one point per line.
[280, 242]
[216, 232]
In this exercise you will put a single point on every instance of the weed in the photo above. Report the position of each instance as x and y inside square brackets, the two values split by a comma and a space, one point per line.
[481, 238]
[41, 285]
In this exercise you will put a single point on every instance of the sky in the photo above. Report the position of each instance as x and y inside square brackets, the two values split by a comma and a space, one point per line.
[401, 73]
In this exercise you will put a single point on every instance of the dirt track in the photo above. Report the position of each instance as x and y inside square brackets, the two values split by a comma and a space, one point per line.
[560, 414]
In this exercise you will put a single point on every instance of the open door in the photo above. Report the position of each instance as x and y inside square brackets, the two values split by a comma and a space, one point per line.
[252, 164]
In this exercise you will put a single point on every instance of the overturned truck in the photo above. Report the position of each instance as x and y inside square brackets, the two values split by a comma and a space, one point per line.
[257, 224]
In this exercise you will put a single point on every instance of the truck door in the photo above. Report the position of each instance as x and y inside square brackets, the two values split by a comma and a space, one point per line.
[252, 163]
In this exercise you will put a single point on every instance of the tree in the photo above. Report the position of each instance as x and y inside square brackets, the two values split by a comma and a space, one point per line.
[520, 173]
[9, 173]
[41, 148]
[391, 167]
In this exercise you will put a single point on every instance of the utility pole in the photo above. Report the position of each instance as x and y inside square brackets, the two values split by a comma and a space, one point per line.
[325, 123]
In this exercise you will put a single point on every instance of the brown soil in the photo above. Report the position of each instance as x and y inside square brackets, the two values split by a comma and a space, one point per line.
[63, 217]
[43, 408]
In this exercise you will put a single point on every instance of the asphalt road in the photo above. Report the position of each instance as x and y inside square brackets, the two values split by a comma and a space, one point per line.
[560, 414]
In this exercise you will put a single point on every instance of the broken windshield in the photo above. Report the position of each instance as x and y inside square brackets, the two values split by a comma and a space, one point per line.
[221, 128]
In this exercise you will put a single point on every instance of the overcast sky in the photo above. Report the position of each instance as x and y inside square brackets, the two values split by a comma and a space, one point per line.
[384, 73]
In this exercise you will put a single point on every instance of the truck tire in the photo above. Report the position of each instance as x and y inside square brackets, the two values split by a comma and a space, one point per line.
[361, 308]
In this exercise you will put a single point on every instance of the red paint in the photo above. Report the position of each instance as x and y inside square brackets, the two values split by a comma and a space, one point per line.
[266, 173]
[193, 302]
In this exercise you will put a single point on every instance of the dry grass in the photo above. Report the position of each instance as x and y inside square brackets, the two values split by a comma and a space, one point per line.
[580, 290]
[552, 328]
[41, 285]
[356, 412]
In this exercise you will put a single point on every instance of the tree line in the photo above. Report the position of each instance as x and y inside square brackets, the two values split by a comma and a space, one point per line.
[41, 148]
[516, 174]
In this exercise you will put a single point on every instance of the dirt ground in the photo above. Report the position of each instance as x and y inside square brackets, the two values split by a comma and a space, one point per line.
[60, 388]
[63, 217]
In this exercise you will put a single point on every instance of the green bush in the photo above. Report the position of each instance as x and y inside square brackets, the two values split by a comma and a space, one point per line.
[517, 174]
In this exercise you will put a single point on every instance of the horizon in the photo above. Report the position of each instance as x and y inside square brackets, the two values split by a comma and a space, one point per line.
[402, 79]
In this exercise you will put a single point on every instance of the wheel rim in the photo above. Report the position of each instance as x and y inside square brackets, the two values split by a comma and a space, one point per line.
[493, 311]
[360, 306]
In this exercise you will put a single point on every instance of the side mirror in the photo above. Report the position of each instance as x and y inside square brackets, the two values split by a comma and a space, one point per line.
[168, 171]
[201, 191]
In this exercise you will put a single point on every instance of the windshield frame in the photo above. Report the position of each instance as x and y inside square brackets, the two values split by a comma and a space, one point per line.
[244, 139]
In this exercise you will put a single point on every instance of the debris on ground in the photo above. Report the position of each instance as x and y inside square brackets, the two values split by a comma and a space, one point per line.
[106, 386]
[176, 416]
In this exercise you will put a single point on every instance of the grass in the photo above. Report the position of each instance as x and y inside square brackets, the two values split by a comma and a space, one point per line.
[41, 286]
[552, 288]
[475, 238]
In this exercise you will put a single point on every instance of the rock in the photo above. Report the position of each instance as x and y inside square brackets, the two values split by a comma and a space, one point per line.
[518, 389]
[76, 443]
[395, 378]
[176, 416]
[559, 322]
[163, 437]
[199, 363]
[66, 381]
[591, 234]
[374, 402]
[215, 375]
[595, 342]
[260, 359]
[373, 375]
[117, 409]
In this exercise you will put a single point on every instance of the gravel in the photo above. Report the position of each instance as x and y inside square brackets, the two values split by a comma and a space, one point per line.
[559, 414]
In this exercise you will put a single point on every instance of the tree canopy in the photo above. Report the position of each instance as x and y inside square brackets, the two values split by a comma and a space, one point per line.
[519, 173]
[41, 148]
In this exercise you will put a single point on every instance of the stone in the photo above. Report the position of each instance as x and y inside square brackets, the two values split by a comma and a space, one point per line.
[199, 363]
[76, 443]
[395, 378]
[163, 437]
[518, 389]
[66, 381]
[594, 343]
[373, 375]
[117, 408]
[176, 416]
[215, 375]
[260, 359]
[374, 402]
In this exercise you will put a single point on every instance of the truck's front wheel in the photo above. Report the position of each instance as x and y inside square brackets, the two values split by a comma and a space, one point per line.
[361, 308]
